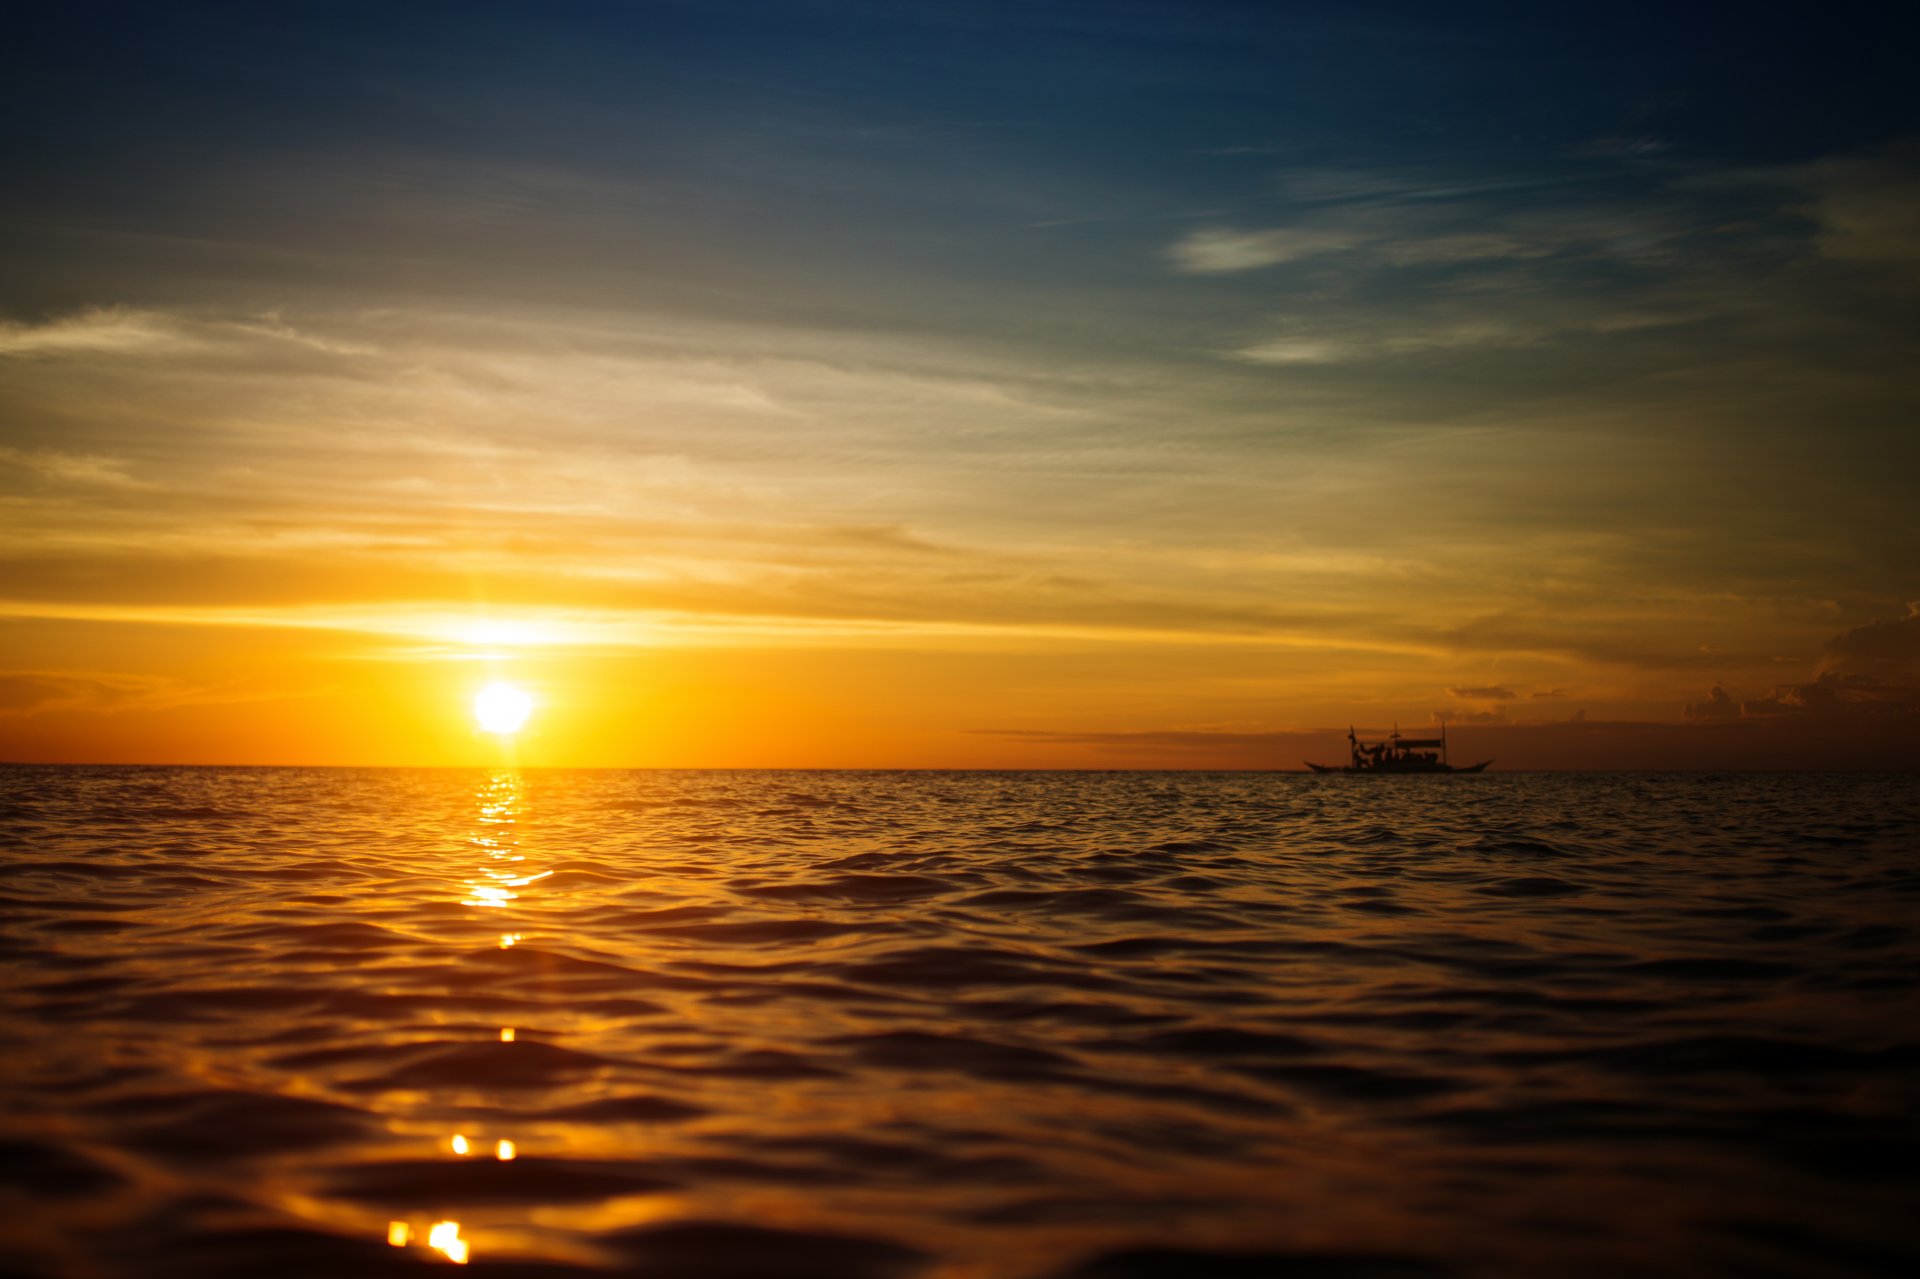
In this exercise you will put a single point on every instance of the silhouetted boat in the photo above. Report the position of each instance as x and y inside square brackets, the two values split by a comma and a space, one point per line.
[1397, 754]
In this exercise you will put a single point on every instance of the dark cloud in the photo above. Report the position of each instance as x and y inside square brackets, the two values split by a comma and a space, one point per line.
[1837, 696]
[1720, 704]
[1484, 693]
[1869, 673]
[1888, 648]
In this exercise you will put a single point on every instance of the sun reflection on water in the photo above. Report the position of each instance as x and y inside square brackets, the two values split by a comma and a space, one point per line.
[493, 887]
[445, 1237]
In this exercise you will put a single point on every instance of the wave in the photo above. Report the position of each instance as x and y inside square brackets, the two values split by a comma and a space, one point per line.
[1013, 1026]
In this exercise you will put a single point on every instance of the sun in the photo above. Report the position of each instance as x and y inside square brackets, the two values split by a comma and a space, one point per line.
[502, 708]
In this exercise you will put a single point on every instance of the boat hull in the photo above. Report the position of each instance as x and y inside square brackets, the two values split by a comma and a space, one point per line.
[1392, 771]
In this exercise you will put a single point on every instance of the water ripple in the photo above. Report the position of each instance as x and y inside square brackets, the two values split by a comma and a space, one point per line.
[994, 1025]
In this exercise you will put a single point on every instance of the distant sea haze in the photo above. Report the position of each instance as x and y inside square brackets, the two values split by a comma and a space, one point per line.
[1002, 1025]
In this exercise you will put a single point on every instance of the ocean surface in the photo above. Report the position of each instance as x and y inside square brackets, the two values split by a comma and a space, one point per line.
[957, 1025]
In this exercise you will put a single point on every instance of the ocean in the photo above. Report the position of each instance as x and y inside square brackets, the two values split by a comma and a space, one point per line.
[778, 1025]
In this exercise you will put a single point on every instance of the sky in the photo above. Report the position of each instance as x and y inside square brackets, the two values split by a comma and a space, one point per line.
[960, 385]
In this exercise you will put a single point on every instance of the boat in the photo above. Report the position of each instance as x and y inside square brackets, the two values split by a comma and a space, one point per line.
[1397, 754]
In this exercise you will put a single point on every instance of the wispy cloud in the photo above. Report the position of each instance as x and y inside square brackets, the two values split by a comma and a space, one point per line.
[1226, 249]
[33, 691]
[1484, 693]
[1375, 342]
[1864, 205]
[101, 331]
[72, 468]
[1219, 249]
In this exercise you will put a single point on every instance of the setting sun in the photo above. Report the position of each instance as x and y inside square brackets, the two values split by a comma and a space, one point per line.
[502, 708]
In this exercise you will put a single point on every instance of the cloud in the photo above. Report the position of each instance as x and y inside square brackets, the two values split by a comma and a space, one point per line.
[1865, 205]
[1301, 350]
[1618, 147]
[96, 331]
[1484, 693]
[1888, 648]
[1216, 250]
[1365, 188]
[1392, 265]
[1720, 704]
[28, 692]
[1493, 715]
[1836, 696]
[1367, 314]
[1220, 249]
[1472, 246]
[1346, 343]
[72, 468]
[1871, 672]
[1590, 632]
[1396, 221]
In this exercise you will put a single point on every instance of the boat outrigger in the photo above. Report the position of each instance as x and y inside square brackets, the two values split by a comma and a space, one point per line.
[1398, 754]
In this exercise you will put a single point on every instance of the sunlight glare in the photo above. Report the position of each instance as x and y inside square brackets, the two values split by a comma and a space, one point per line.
[445, 1236]
[502, 708]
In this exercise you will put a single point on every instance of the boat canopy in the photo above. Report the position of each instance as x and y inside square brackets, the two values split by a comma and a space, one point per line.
[1419, 742]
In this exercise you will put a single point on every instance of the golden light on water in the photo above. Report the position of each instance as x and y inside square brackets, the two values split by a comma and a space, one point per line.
[445, 1236]
[502, 708]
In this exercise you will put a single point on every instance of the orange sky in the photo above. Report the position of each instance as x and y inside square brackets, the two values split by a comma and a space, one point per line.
[764, 402]
[195, 692]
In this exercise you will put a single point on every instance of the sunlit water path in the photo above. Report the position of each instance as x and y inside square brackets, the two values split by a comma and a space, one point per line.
[1019, 1025]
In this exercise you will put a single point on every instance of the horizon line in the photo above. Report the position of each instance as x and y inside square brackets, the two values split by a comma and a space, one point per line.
[901, 768]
